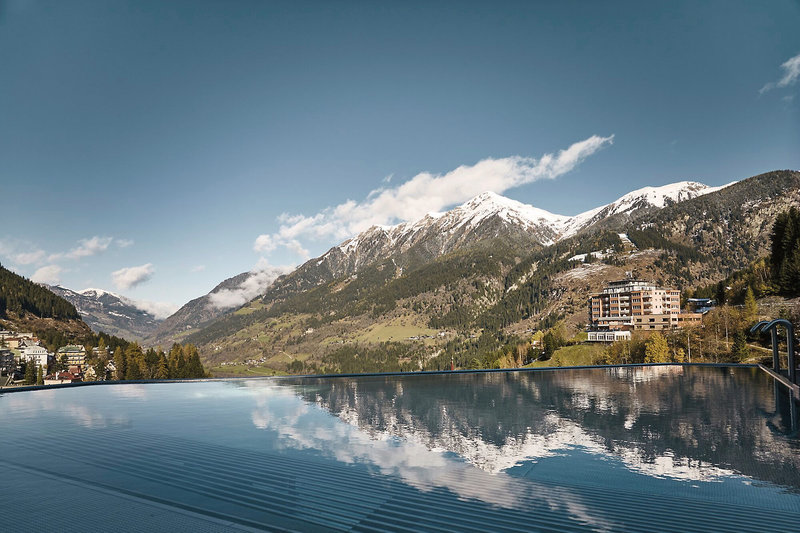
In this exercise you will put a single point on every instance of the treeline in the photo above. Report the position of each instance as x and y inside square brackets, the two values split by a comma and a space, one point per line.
[732, 290]
[386, 357]
[651, 238]
[482, 351]
[375, 290]
[132, 362]
[524, 299]
[717, 225]
[779, 273]
[785, 253]
[19, 295]
[54, 339]
[723, 338]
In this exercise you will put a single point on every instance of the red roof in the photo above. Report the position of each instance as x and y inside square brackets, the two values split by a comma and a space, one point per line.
[64, 376]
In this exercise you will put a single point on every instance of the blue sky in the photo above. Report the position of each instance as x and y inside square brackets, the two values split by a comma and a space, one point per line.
[159, 140]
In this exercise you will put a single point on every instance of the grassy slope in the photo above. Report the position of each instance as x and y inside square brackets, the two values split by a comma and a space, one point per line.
[576, 355]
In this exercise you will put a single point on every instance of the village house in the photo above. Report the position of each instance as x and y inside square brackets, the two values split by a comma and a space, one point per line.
[37, 355]
[61, 377]
[12, 342]
[76, 355]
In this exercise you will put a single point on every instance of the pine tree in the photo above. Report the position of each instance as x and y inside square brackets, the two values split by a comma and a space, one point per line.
[100, 366]
[30, 373]
[39, 376]
[151, 360]
[119, 363]
[102, 350]
[163, 367]
[777, 235]
[175, 361]
[750, 306]
[194, 368]
[134, 370]
[134, 360]
[740, 350]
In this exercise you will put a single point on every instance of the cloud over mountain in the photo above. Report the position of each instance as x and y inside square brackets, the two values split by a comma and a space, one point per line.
[424, 193]
[127, 278]
[47, 274]
[256, 283]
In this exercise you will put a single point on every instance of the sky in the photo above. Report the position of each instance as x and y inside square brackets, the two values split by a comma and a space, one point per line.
[155, 148]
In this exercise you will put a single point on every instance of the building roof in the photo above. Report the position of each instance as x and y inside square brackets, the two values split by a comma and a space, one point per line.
[66, 376]
[72, 348]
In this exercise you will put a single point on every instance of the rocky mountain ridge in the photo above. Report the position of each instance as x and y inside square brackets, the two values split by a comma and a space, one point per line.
[491, 287]
[109, 312]
[486, 217]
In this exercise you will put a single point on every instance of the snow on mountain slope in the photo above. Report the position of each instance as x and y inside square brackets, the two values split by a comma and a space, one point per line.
[97, 293]
[646, 197]
[485, 217]
[545, 227]
[112, 313]
[468, 217]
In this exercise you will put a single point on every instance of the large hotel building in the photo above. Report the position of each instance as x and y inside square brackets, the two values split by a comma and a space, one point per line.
[633, 304]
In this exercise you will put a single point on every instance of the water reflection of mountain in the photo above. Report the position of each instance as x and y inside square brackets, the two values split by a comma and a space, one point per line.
[680, 422]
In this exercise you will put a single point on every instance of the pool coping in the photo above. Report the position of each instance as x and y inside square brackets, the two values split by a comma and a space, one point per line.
[26, 388]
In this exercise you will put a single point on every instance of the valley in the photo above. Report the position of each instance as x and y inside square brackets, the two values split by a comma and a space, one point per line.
[454, 288]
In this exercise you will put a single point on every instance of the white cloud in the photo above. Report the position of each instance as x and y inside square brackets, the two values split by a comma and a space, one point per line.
[295, 246]
[126, 278]
[27, 258]
[264, 243]
[26, 254]
[89, 247]
[85, 248]
[791, 72]
[261, 277]
[47, 274]
[159, 310]
[425, 193]
[22, 252]
[198, 268]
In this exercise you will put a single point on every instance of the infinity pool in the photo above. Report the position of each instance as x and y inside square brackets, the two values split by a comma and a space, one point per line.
[660, 448]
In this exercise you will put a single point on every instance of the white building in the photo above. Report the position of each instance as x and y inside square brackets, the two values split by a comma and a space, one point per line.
[609, 336]
[36, 354]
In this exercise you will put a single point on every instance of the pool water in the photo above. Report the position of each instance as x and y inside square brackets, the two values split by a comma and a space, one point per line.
[657, 448]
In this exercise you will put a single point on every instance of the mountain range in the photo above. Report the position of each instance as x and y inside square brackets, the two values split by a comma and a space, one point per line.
[491, 264]
[490, 269]
[111, 313]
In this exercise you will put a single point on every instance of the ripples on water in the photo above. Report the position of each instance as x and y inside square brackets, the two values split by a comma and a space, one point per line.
[601, 449]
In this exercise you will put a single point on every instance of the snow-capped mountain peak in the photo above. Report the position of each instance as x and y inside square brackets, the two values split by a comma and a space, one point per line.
[490, 203]
[658, 196]
[112, 313]
[97, 293]
[490, 215]
[646, 197]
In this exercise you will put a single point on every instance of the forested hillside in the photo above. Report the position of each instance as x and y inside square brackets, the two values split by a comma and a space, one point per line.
[469, 306]
[19, 296]
[785, 253]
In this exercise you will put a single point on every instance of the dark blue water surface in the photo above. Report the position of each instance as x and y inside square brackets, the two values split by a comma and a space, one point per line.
[665, 448]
